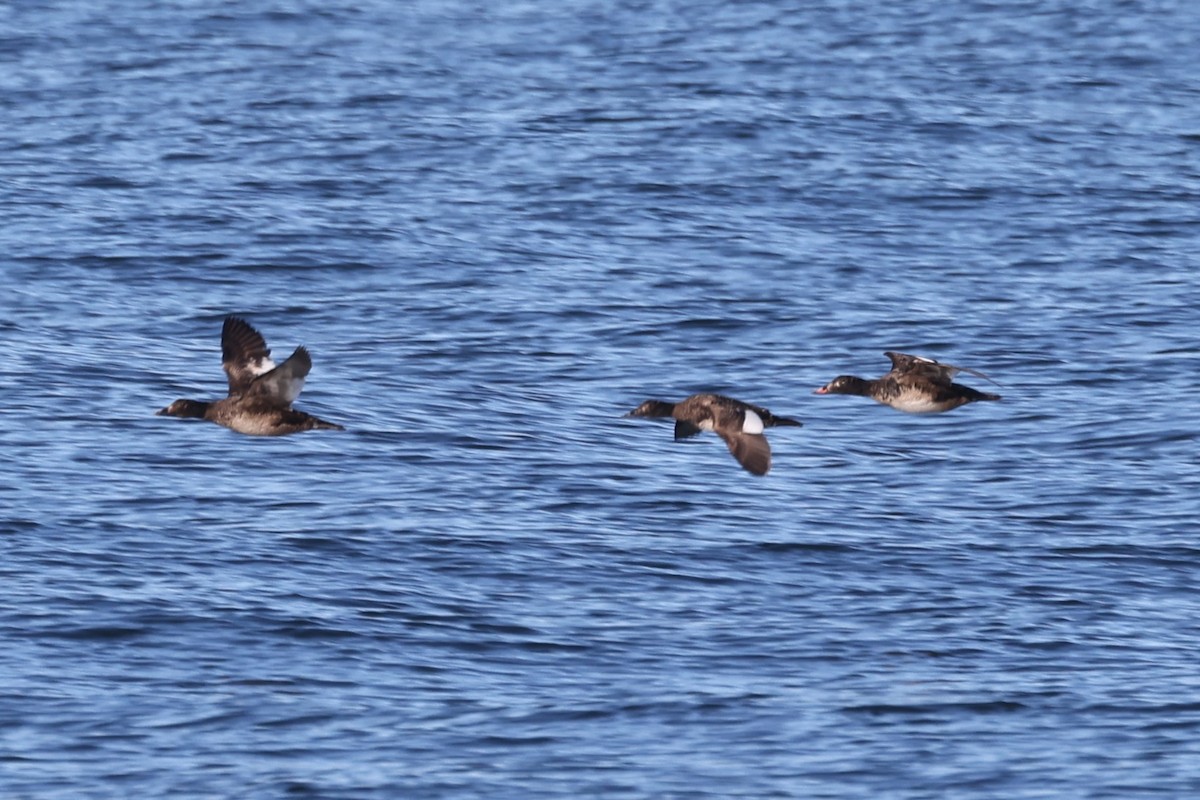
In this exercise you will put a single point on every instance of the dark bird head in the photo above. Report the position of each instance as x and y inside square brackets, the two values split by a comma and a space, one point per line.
[184, 408]
[653, 408]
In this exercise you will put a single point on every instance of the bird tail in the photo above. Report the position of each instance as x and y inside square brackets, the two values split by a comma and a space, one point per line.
[974, 395]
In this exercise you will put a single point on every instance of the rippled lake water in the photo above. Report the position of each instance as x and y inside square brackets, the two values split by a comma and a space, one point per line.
[497, 228]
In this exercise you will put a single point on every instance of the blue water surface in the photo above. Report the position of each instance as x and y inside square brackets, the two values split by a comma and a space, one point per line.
[498, 227]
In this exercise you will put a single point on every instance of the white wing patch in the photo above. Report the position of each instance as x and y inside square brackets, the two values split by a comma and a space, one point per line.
[751, 422]
[260, 367]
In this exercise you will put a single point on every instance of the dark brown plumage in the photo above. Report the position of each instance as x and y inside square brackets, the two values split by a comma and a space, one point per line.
[739, 424]
[915, 385]
[260, 393]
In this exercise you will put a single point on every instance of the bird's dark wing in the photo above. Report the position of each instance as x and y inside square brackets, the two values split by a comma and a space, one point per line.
[244, 354]
[935, 371]
[750, 449]
[283, 384]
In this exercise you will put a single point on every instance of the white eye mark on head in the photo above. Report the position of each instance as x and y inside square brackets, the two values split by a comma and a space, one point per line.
[751, 422]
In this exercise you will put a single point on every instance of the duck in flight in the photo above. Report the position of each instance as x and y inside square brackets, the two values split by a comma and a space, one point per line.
[915, 384]
[260, 393]
[740, 424]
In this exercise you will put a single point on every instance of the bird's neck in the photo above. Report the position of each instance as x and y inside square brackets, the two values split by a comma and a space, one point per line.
[659, 408]
[858, 386]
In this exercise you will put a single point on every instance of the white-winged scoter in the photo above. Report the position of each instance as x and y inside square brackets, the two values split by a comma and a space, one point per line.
[260, 393]
[740, 424]
[915, 385]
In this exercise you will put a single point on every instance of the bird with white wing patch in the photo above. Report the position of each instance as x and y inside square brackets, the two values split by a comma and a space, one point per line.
[915, 384]
[739, 424]
[260, 393]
